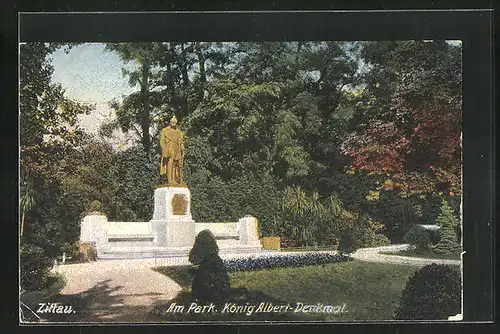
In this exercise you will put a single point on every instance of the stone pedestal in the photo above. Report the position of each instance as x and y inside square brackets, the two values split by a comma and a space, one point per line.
[248, 232]
[172, 224]
[172, 203]
[173, 233]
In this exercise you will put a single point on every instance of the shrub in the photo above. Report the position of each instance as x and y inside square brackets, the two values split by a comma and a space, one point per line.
[360, 232]
[368, 238]
[95, 206]
[347, 243]
[34, 267]
[432, 293]
[227, 198]
[210, 281]
[433, 236]
[281, 261]
[375, 240]
[418, 238]
[204, 246]
[84, 252]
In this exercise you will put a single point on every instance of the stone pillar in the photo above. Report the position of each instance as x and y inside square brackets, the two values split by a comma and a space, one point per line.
[94, 228]
[172, 223]
[248, 232]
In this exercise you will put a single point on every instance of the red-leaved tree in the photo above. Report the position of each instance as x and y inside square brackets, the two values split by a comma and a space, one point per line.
[418, 151]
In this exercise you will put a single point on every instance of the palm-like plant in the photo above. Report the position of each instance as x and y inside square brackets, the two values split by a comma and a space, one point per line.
[302, 230]
[26, 203]
[316, 208]
[335, 204]
[303, 213]
[295, 200]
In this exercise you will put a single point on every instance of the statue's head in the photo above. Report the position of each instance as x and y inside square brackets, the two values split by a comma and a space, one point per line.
[173, 121]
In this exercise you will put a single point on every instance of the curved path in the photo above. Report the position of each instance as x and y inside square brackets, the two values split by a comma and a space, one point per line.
[113, 291]
[373, 255]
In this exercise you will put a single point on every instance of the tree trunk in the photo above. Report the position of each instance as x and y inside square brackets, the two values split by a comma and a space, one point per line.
[170, 75]
[145, 117]
[185, 80]
[22, 226]
[203, 75]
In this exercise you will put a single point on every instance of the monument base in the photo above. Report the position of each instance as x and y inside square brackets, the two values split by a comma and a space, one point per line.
[173, 233]
[172, 230]
[172, 203]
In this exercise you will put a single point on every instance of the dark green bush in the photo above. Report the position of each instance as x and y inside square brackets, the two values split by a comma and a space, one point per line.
[204, 246]
[347, 243]
[216, 199]
[418, 238]
[359, 236]
[210, 280]
[433, 236]
[370, 239]
[432, 293]
[34, 267]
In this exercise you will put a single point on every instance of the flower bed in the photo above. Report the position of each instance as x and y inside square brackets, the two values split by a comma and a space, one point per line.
[280, 261]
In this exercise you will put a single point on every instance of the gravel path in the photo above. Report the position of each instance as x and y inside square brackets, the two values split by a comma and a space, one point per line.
[373, 255]
[114, 291]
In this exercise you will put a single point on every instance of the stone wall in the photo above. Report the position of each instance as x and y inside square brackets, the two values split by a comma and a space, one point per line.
[94, 229]
[218, 229]
[129, 228]
[171, 233]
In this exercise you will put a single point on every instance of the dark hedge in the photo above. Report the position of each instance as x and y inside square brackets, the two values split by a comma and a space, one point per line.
[432, 293]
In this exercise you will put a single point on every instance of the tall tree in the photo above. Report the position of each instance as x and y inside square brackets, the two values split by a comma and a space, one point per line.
[48, 122]
[413, 143]
[172, 78]
[270, 112]
[185, 70]
[136, 108]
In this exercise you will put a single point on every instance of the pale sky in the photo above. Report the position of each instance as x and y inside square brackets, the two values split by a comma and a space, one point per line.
[89, 73]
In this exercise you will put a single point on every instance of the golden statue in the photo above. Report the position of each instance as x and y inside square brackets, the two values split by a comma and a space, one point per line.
[172, 154]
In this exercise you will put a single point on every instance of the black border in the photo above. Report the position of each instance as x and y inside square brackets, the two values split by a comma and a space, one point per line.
[474, 28]
[255, 26]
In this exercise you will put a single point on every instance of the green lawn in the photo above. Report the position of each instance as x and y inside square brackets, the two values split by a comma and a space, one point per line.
[370, 290]
[428, 255]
